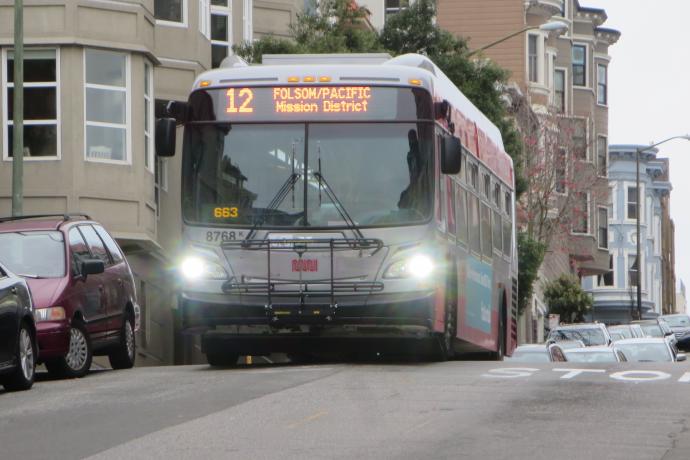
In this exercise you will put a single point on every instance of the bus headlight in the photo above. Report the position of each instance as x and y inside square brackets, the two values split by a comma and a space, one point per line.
[195, 268]
[417, 266]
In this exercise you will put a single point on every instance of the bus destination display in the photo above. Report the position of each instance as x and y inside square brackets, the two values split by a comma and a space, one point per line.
[347, 103]
[353, 99]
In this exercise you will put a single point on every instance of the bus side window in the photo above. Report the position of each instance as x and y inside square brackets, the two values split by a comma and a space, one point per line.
[461, 214]
[452, 217]
[496, 225]
[487, 248]
[475, 237]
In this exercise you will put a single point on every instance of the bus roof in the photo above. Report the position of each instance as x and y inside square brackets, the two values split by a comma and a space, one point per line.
[477, 133]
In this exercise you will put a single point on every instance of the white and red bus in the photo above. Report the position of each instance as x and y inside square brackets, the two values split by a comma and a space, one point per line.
[343, 207]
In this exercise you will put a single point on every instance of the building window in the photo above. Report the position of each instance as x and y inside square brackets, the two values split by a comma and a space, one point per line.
[632, 203]
[559, 90]
[220, 31]
[579, 65]
[487, 186]
[607, 279]
[580, 213]
[107, 105]
[633, 272]
[602, 156]
[395, 6]
[580, 139]
[602, 87]
[560, 171]
[173, 11]
[160, 183]
[603, 233]
[533, 58]
[248, 21]
[41, 110]
[148, 117]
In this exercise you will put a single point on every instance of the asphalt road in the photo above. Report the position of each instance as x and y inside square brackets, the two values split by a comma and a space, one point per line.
[472, 409]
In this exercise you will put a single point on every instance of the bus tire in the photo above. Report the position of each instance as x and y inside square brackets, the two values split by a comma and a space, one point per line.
[502, 330]
[220, 359]
[446, 341]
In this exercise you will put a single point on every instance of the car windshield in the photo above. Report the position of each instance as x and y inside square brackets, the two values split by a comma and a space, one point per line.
[643, 352]
[34, 254]
[622, 330]
[677, 321]
[589, 336]
[652, 330]
[591, 356]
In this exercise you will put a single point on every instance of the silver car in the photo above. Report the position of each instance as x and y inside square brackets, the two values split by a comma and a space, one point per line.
[650, 349]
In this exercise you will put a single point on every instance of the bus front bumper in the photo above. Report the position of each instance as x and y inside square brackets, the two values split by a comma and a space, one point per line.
[387, 311]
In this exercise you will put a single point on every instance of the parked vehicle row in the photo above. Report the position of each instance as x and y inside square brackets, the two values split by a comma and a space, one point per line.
[640, 341]
[77, 295]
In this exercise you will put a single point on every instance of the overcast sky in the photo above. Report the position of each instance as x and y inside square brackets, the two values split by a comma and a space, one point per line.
[649, 93]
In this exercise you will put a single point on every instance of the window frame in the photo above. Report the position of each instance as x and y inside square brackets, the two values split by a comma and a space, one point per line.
[587, 154]
[217, 10]
[166, 23]
[589, 217]
[600, 228]
[533, 61]
[605, 156]
[584, 65]
[628, 203]
[128, 109]
[564, 71]
[601, 279]
[149, 131]
[628, 282]
[605, 85]
[6, 121]
[391, 10]
[561, 154]
[110, 262]
[248, 20]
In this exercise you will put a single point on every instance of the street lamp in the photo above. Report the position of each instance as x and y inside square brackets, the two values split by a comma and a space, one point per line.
[551, 26]
[638, 151]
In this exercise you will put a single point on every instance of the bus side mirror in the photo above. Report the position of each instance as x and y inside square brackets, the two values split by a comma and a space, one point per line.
[166, 132]
[451, 155]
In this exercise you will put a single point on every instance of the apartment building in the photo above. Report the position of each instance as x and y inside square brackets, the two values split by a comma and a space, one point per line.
[96, 74]
[564, 76]
[615, 292]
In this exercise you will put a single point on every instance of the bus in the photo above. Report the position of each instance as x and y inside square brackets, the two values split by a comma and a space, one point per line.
[337, 204]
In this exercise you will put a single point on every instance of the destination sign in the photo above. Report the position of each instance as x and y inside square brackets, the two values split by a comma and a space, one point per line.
[310, 103]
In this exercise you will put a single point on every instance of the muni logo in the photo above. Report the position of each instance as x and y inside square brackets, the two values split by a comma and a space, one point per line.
[305, 265]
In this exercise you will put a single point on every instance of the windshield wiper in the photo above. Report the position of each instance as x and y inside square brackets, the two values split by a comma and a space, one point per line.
[276, 201]
[339, 206]
[26, 275]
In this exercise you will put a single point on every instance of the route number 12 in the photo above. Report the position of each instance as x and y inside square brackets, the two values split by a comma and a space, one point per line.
[244, 98]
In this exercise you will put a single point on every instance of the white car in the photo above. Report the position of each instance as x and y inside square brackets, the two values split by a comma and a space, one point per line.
[650, 349]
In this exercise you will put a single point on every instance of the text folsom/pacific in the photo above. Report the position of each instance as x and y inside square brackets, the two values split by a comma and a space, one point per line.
[348, 99]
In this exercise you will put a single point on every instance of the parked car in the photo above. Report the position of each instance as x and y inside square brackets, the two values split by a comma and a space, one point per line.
[567, 344]
[629, 331]
[650, 349]
[530, 353]
[660, 329]
[616, 336]
[680, 325]
[17, 333]
[83, 290]
[594, 354]
[590, 334]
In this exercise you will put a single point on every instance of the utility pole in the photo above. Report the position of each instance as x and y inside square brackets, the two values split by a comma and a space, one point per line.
[18, 115]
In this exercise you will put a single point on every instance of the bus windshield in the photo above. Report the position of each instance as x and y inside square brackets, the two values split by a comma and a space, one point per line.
[280, 174]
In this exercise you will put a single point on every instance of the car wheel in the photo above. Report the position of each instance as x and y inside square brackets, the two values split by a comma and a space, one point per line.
[22, 378]
[220, 359]
[124, 355]
[77, 362]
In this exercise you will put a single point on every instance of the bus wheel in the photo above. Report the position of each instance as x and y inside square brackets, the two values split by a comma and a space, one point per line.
[221, 359]
[446, 342]
[502, 321]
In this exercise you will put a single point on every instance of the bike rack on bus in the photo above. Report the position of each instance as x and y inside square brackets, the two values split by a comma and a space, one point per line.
[305, 288]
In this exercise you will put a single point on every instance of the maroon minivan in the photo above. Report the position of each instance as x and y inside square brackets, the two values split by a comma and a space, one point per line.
[82, 288]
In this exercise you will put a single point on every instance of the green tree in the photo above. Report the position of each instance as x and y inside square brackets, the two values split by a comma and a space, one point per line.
[565, 297]
[530, 256]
